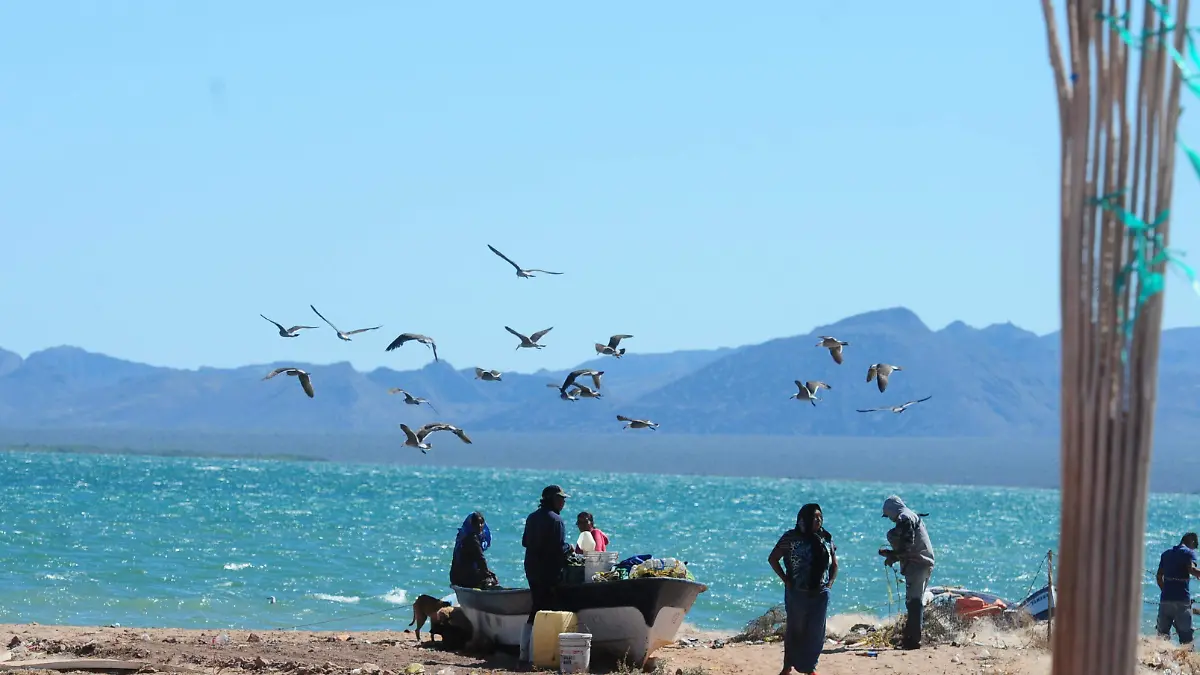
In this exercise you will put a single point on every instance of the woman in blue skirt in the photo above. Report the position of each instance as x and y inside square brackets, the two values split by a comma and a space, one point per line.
[809, 568]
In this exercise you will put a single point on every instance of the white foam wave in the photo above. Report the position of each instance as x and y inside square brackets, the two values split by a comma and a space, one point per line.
[347, 599]
[237, 566]
[396, 596]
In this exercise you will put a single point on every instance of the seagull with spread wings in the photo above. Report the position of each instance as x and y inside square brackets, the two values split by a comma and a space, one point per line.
[413, 337]
[305, 378]
[487, 375]
[522, 273]
[345, 336]
[294, 331]
[880, 373]
[573, 396]
[531, 341]
[410, 399]
[416, 439]
[610, 349]
[582, 372]
[808, 391]
[631, 423]
[834, 346]
[898, 408]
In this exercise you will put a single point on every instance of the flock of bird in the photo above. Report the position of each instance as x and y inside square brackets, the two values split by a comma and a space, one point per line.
[570, 389]
[880, 372]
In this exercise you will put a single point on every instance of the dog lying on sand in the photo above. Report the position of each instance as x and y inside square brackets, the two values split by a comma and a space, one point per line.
[426, 607]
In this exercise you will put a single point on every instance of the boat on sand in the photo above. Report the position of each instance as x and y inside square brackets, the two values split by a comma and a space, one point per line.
[629, 618]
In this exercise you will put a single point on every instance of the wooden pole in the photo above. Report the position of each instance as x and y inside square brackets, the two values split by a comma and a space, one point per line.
[1118, 104]
[1050, 597]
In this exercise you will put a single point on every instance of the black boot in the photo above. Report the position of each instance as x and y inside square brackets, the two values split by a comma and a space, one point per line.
[912, 625]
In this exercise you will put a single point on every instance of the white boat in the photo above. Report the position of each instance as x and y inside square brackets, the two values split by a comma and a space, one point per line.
[1039, 604]
[629, 618]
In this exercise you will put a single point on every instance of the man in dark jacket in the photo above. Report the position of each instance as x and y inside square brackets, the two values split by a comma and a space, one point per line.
[910, 546]
[546, 553]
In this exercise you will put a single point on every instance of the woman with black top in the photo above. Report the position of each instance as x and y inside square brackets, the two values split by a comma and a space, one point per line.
[808, 571]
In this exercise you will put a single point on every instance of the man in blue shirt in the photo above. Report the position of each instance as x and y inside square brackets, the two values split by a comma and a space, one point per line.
[1176, 568]
[546, 553]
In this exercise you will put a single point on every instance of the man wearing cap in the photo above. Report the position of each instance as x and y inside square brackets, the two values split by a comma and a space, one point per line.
[910, 546]
[546, 553]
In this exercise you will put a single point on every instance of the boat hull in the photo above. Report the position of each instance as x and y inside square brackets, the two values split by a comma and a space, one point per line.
[630, 618]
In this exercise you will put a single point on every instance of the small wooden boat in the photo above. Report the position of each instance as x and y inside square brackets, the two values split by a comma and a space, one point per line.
[629, 618]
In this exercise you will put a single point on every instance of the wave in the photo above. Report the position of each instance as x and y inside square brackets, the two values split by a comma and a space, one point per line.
[396, 596]
[237, 566]
[346, 599]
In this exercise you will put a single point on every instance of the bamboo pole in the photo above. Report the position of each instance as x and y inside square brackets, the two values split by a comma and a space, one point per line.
[1112, 166]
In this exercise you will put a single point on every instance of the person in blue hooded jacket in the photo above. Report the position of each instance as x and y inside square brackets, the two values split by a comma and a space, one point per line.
[910, 546]
[468, 567]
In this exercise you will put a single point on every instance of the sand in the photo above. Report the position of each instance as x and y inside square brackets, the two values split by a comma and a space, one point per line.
[335, 653]
[395, 653]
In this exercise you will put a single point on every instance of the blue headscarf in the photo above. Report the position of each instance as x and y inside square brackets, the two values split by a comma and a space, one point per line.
[485, 537]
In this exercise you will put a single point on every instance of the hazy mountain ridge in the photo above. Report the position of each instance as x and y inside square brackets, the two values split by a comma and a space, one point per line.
[998, 381]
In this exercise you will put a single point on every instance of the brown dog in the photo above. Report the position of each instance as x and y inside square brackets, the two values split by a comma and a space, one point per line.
[426, 607]
[453, 625]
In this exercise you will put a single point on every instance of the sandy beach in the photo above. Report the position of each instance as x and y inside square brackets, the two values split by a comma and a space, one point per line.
[338, 653]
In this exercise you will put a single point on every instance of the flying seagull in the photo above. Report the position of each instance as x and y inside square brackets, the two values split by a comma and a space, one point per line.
[808, 391]
[530, 342]
[880, 372]
[582, 372]
[416, 439]
[305, 378]
[345, 336]
[407, 337]
[523, 273]
[487, 375]
[898, 408]
[410, 399]
[584, 391]
[294, 331]
[611, 348]
[834, 346]
[573, 396]
[637, 424]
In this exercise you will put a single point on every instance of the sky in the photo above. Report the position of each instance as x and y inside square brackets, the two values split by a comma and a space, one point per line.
[704, 175]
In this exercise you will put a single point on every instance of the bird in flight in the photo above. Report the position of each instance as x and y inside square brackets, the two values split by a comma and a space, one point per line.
[880, 373]
[834, 346]
[416, 439]
[305, 378]
[582, 372]
[808, 391]
[523, 273]
[294, 331]
[407, 337]
[898, 408]
[637, 424]
[530, 342]
[611, 348]
[573, 396]
[345, 336]
[410, 399]
[487, 375]
[584, 391]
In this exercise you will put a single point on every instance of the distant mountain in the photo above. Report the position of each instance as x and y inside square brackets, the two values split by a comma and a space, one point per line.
[998, 381]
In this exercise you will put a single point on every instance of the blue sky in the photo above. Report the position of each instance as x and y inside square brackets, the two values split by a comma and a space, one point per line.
[705, 174]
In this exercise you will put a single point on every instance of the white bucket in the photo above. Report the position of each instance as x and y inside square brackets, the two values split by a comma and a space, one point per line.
[594, 562]
[574, 652]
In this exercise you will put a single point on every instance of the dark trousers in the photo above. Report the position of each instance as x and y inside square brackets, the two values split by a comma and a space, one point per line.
[542, 597]
[1177, 615]
[804, 636]
[916, 581]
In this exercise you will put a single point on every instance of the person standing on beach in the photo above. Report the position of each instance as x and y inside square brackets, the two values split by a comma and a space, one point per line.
[546, 553]
[587, 525]
[1176, 567]
[910, 546]
[808, 571]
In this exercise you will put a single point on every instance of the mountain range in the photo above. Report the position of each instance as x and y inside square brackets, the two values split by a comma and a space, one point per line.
[1000, 381]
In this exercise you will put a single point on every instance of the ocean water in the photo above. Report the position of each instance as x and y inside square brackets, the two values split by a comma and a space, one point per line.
[151, 541]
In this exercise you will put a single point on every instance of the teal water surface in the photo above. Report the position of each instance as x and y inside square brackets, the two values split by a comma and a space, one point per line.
[149, 541]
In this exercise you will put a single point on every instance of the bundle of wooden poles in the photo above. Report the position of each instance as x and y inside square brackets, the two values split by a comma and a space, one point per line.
[1119, 106]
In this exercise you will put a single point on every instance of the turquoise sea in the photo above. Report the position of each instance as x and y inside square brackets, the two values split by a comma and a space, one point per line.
[151, 541]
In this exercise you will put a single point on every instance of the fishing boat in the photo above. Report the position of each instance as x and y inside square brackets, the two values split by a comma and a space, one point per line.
[1039, 604]
[629, 618]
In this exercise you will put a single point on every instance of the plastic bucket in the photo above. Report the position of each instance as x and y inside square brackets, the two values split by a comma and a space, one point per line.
[574, 652]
